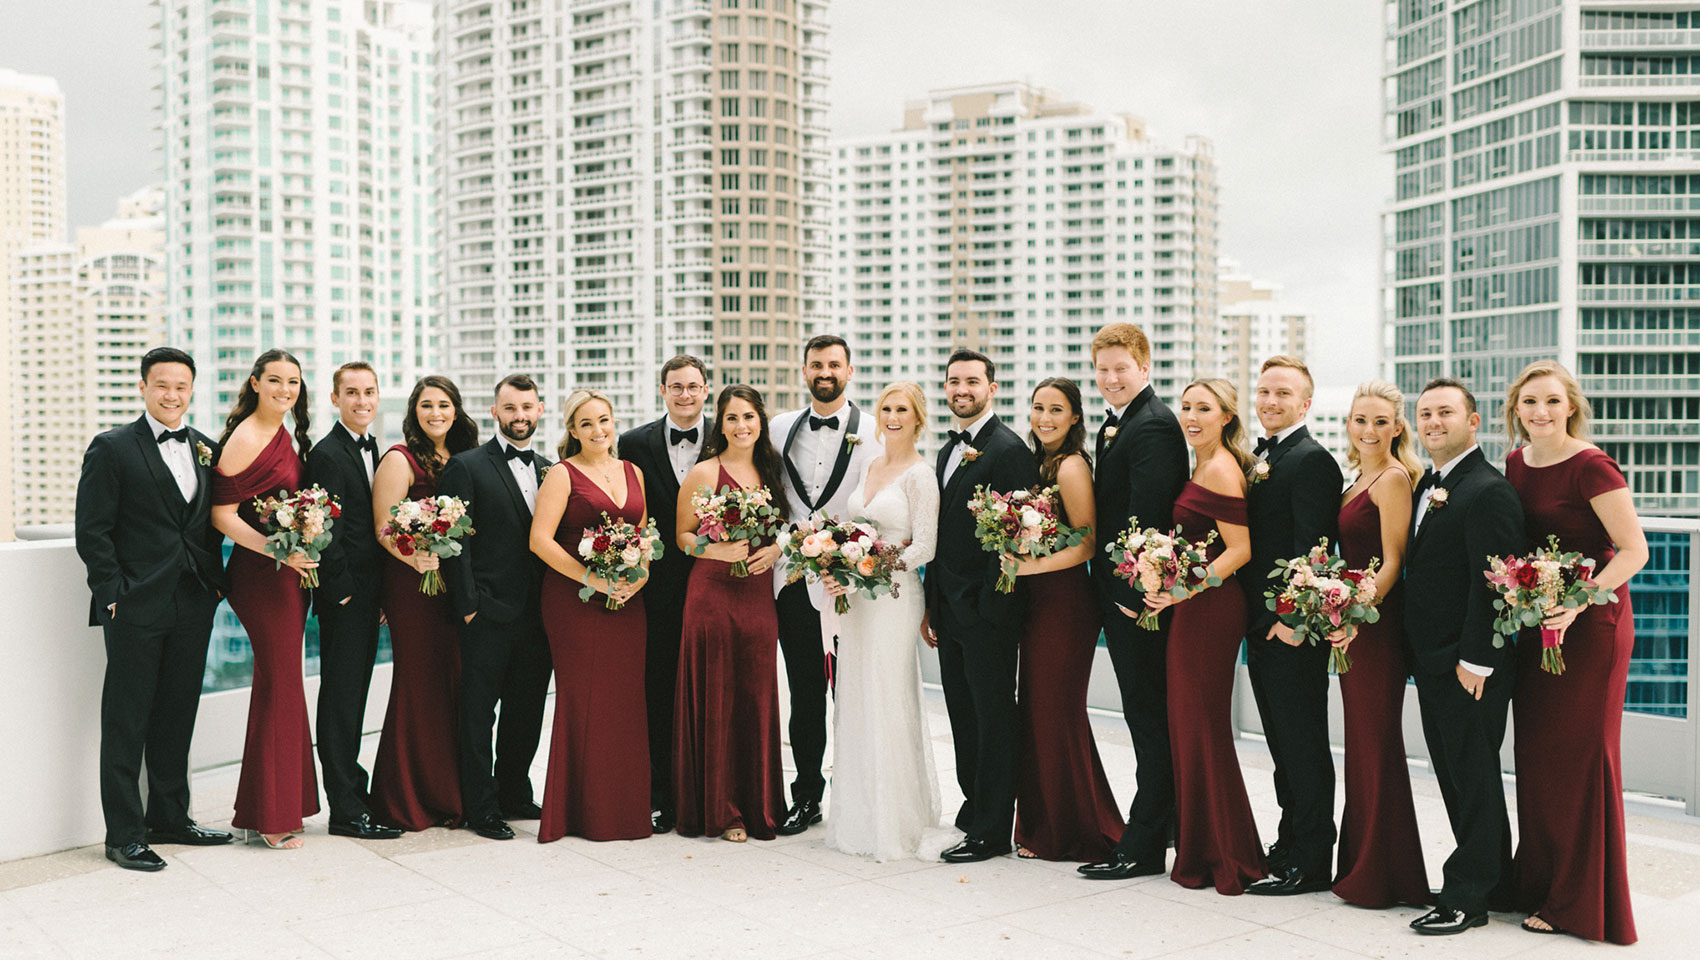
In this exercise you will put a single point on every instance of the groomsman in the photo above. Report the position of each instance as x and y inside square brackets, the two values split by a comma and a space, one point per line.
[1141, 466]
[976, 629]
[346, 601]
[1293, 502]
[822, 466]
[665, 450]
[1465, 512]
[156, 572]
[494, 588]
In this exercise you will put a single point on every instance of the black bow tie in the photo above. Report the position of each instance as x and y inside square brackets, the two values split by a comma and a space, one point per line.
[831, 423]
[182, 433]
[367, 443]
[523, 455]
[1264, 443]
[960, 436]
[676, 437]
[1430, 478]
[1110, 418]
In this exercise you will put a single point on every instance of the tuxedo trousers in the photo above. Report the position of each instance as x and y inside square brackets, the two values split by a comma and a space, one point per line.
[664, 607]
[148, 704]
[805, 673]
[977, 668]
[1290, 685]
[348, 647]
[507, 663]
[1464, 736]
[1140, 661]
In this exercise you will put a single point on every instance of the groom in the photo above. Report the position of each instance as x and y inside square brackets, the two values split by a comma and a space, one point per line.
[976, 629]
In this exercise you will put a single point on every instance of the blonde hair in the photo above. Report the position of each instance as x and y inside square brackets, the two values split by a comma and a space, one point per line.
[917, 401]
[1233, 432]
[1291, 363]
[569, 444]
[1402, 450]
[1580, 409]
[1123, 335]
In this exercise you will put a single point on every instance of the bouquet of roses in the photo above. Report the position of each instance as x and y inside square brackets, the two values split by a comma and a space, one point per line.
[1318, 595]
[1533, 587]
[1152, 562]
[1021, 523]
[733, 514]
[616, 551]
[298, 522]
[851, 552]
[431, 525]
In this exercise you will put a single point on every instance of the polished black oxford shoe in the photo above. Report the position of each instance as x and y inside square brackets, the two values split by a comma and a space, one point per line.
[1120, 867]
[1287, 882]
[1445, 921]
[135, 856]
[971, 850]
[364, 827]
[803, 815]
[190, 834]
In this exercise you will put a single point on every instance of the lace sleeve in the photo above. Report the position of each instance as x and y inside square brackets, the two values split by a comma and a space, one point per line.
[923, 493]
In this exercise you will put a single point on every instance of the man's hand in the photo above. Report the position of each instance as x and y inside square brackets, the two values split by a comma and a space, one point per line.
[928, 637]
[112, 610]
[468, 618]
[1283, 633]
[344, 601]
[1471, 682]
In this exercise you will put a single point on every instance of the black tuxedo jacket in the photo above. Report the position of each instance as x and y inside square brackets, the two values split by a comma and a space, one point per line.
[496, 575]
[1140, 474]
[961, 573]
[352, 563]
[1289, 510]
[136, 534]
[645, 447]
[1448, 602]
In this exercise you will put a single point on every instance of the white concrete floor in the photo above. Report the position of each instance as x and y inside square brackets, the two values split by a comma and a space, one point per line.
[444, 894]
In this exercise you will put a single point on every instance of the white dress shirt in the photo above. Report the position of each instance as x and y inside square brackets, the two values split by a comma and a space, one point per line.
[1422, 511]
[1280, 438]
[525, 474]
[365, 461]
[682, 456]
[955, 459]
[179, 457]
[816, 451]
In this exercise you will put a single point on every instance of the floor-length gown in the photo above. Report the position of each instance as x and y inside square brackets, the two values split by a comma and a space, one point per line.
[416, 777]
[885, 792]
[1216, 841]
[1571, 863]
[278, 787]
[1380, 856]
[597, 786]
[726, 712]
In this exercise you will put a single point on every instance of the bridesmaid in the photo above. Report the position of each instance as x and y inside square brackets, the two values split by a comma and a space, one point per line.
[1380, 854]
[1064, 807]
[726, 712]
[1216, 841]
[278, 787]
[416, 779]
[1570, 867]
[598, 781]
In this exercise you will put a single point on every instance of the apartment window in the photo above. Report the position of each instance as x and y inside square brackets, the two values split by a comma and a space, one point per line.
[728, 79]
[728, 53]
[729, 158]
[729, 106]
[728, 181]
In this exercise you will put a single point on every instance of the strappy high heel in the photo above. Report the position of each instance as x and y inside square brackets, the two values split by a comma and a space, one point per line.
[283, 843]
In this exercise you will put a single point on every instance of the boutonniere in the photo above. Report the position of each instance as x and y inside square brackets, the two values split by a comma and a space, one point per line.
[1110, 433]
[852, 441]
[203, 453]
[1260, 471]
[543, 470]
[1438, 498]
[970, 455]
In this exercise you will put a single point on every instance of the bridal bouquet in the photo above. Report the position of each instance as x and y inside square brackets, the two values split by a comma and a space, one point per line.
[1152, 562]
[1021, 523]
[431, 525]
[1544, 582]
[1318, 595]
[298, 522]
[616, 551]
[851, 551]
[733, 514]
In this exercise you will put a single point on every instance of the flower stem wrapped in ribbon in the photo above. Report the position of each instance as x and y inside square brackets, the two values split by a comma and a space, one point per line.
[1153, 562]
[298, 522]
[1020, 524]
[1534, 587]
[733, 514]
[431, 525]
[1318, 595]
[851, 552]
[617, 551]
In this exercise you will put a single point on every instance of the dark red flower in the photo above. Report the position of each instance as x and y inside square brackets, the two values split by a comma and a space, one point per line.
[1527, 576]
[1353, 576]
[404, 545]
[336, 510]
[601, 543]
[733, 516]
[441, 525]
[1284, 606]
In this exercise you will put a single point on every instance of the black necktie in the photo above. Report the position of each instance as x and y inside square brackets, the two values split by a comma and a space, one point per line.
[831, 423]
[1264, 443]
[181, 433]
[677, 437]
[960, 436]
[524, 456]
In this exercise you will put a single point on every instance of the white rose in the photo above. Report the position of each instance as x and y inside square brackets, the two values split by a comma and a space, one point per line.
[586, 547]
[1031, 517]
[631, 555]
[285, 516]
[851, 551]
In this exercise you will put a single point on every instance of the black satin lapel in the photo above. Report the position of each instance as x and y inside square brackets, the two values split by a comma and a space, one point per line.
[162, 477]
[790, 468]
[659, 450]
[499, 460]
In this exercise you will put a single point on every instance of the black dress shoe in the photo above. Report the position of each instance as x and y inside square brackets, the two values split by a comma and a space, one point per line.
[971, 850]
[492, 827]
[190, 834]
[1288, 882]
[803, 815]
[1276, 857]
[523, 811]
[1445, 921]
[135, 856]
[364, 827]
[1120, 866]
[662, 821]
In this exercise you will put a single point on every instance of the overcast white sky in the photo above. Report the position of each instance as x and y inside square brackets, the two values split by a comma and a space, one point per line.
[1289, 90]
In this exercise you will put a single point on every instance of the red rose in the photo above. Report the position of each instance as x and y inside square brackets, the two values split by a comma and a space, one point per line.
[732, 517]
[1352, 576]
[336, 511]
[1284, 606]
[601, 543]
[1527, 575]
[404, 545]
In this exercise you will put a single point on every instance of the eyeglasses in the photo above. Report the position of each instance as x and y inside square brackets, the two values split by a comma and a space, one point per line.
[686, 389]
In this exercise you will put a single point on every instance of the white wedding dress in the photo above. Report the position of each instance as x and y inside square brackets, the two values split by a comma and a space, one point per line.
[885, 792]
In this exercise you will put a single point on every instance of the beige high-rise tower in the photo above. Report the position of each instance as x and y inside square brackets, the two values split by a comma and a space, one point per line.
[32, 210]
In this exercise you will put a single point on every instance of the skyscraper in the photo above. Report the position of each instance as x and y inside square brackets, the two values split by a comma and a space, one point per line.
[1008, 220]
[1548, 158]
[1256, 323]
[299, 188]
[628, 179]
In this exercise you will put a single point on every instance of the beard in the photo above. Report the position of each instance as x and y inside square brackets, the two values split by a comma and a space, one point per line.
[518, 430]
[826, 389]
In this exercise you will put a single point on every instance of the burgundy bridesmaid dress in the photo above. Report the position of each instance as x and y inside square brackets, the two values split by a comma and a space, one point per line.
[416, 778]
[278, 787]
[1380, 853]
[1216, 841]
[598, 781]
[1064, 807]
[1571, 863]
[726, 709]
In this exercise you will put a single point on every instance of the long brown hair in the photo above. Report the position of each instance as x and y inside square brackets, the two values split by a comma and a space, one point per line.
[769, 465]
[1233, 432]
[462, 435]
[249, 400]
[1073, 442]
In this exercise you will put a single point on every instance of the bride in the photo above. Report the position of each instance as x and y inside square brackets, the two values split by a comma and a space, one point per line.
[885, 793]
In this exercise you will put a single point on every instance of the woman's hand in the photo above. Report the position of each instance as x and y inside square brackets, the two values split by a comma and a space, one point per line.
[1162, 600]
[832, 586]
[763, 560]
[727, 551]
[300, 564]
[1560, 620]
[424, 562]
[1342, 637]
